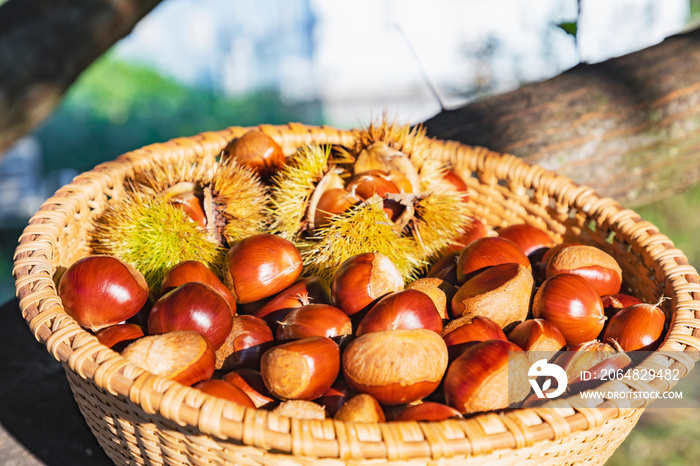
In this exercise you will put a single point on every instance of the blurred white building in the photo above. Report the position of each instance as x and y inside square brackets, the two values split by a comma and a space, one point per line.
[351, 56]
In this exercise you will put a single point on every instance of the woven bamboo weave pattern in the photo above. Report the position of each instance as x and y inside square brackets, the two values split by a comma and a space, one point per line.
[140, 418]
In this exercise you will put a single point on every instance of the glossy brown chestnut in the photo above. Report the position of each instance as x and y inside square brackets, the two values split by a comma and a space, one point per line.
[471, 232]
[400, 180]
[537, 336]
[251, 382]
[183, 356]
[315, 320]
[333, 202]
[486, 252]
[257, 151]
[396, 366]
[446, 268]
[428, 411]
[99, 291]
[501, 292]
[195, 271]
[639, 327]
[225, 390]
[456, 183]
[119, 336]
[336, 396]
[478, 379]
[591, 263]
[440, 291]
[360, 408]
[458, 332]
[405, 309]
[307, 290]
[528, 238]
[572, 304]
[245, 344]
[260, 266]
[367, 184]
[539, 259]
[589, 356]
[192, 306]
[301, 369]
[614, 303]
[183, 196]
[362, 279]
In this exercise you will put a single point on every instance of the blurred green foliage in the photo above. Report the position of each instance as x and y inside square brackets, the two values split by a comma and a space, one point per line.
[115, 107]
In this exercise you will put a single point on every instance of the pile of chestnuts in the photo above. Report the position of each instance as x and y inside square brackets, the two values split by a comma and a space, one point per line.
[369, 347]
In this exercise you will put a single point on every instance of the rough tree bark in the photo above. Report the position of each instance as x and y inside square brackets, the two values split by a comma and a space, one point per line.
[629, 127]
[45, 45]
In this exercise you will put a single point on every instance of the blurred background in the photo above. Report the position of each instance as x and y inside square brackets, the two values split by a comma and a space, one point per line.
[197, 65]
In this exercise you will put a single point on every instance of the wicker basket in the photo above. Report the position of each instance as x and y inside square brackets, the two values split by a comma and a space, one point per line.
[141, 418]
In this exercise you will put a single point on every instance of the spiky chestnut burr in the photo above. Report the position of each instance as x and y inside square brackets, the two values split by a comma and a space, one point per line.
[293, 188]
[239, 201]
[153, 235]
[356, 231]
[175, 212]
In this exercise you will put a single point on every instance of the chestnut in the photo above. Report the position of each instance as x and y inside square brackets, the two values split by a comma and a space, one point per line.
[501, 292]
[300, 409]
[362, 279]
[360, 408]
[486, 252]
[225, 390]
[185, 196]
[245, 344]
[192, 306]
[332, 202]
[440, 291]
[369, 183]
[183, 356]
[636, 328]
[400, 180]
[405, 309]
[119, 336]
[536, 336]
[591, 263]
[590, 356]
[478, 379]
[336, 396]
[315, 320]
[99, 291]
[396, 366]
[458, 332]
[454, 182]
[446, 268]
[260, 266]
[428, 411]
[195, 271]
[307, 290]
[572, 304]
[471, 232]
[529, 238]
[251, 382]
[301, 369]
[614, 303]
[257, 151]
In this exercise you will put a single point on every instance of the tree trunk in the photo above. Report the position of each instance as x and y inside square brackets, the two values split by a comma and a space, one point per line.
[45, 45]
[628, 127]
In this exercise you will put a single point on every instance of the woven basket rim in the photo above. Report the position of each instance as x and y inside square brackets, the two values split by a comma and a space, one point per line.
[80, 352]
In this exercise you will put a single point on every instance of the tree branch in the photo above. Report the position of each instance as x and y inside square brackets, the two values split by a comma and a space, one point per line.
[45, 45]
[629, 127]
